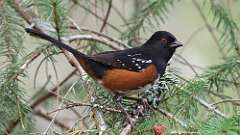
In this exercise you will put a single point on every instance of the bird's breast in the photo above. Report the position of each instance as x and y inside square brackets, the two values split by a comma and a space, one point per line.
[124, 80]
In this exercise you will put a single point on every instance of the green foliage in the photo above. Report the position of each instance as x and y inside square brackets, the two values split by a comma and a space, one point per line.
[228, 27]
[12, 101]
[187, 106]
[219, 126]
[225, 74]
[55, 12]
[11, 36]
[151, 14]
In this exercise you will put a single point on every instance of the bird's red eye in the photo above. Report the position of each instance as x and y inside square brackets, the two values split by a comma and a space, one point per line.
[164, 40]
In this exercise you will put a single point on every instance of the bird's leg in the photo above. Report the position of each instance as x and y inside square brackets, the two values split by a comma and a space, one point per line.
[143, 101]
[118, 99]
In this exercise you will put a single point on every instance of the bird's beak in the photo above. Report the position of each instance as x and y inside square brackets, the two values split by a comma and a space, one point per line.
[176, 44]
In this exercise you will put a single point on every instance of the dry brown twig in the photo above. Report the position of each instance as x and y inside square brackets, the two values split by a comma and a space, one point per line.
[171, 116]
[12, 124]
[42, 114]
[107, 15]
[130, 126]
[95, 15]
[113, 43]
[74, 104]
[225, 100]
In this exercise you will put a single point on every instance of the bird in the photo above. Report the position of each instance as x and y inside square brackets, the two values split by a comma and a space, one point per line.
[124, 71]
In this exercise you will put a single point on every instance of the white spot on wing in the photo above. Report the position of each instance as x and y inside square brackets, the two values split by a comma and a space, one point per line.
[139, 59]
[136, 54]
[149, 61]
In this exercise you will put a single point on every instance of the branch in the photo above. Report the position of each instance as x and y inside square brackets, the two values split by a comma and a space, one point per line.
[53, 90]
[98, 17]
[225, 100]
[130, 126]
[171, 116]
[80, 29]
[13, 123]
[107, 15]
[208, 106]
[73, 104]
[208, 27]
[223, 97]
[62, 125]
[33, 56]
[99, 39]
[72, 60]
[188, 64]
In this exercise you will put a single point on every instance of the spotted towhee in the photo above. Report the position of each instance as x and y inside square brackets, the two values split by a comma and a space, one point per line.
[126, 70]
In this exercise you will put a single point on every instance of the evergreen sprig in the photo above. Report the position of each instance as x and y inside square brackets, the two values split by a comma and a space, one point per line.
[154, 12]
[55, 12]
[219, 126]
[12, 103]
[225, 74]
[186, 106]
[11, 37]
[228, 27]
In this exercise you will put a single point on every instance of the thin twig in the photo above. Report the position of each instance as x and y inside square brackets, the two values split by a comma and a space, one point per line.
[207, 105]
[53, 90]
[98, 17]
[107, 15]
[62, 125]
[223, 97]
[187, 63]
[121, 16]
[209, 27]
[130, 126]
[191, 37]
[225, 100]
[80, 29]
[13, 123]
[102, 40]
[72, 105]
[34, 55]
[171, 116]
[1, 3]
[72, 60]
[97, 115]
[56, 114]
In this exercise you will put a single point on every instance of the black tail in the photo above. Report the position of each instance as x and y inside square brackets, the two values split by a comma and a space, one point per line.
[57, 43]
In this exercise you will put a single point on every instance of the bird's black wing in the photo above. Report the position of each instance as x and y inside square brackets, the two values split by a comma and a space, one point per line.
[130, 59]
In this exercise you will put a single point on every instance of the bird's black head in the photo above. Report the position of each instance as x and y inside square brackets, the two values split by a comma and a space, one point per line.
[163, 44]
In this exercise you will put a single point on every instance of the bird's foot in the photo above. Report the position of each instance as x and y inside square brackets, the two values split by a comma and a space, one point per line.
[129, 119]
[144, 102]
